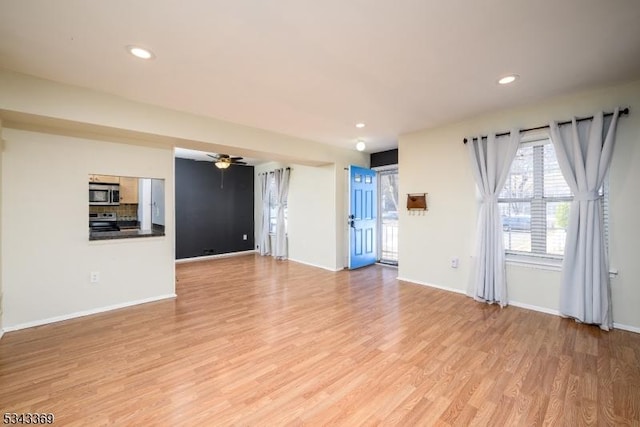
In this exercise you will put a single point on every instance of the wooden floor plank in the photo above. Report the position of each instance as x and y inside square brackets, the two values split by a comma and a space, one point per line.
[254, 341]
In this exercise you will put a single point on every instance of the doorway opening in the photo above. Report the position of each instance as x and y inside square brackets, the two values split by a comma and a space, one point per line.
[388, 215]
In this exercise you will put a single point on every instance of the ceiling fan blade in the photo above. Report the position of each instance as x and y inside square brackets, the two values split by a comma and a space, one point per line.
[213, 157]
[239, 163]
[236, 158]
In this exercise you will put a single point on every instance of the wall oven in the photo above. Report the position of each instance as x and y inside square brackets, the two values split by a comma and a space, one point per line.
[104, 194]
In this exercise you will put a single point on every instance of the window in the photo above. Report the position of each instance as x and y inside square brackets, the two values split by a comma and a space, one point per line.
[534, 203]
[273, 208]
[388, 215]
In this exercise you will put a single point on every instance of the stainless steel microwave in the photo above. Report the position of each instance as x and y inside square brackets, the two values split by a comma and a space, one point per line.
[104, 194]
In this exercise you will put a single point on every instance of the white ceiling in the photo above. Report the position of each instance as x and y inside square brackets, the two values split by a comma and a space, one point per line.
[313, 69]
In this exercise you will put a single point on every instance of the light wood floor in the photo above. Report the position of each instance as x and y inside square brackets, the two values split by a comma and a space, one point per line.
[251, 341]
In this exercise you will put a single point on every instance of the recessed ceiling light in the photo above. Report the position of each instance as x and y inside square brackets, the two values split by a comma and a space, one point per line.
[360, 146]
[360, 125]
[140, 52]
[508, 79]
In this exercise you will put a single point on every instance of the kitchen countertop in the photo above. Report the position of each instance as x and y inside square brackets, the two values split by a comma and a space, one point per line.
[125, 234]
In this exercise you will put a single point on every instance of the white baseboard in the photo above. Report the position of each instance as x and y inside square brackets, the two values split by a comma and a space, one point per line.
[431, 285]
[208, 257]
[626, 327]
[315, 265]
[520, 304]
[557, 313]
[535, 308]
[85, 313]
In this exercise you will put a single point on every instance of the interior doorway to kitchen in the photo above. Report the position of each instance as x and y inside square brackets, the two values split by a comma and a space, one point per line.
[388, 215]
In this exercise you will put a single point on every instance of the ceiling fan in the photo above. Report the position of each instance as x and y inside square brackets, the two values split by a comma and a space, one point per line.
[223, 161]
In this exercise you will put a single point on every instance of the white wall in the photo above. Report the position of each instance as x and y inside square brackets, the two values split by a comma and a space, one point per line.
[312, 215]
[435, 161]
[341, 197]
[47, 256]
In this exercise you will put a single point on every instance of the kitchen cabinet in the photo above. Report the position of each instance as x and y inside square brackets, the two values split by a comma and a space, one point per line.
[105, 179]
[128, 189]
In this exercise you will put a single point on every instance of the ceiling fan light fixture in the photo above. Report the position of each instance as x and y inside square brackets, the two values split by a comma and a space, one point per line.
[220, 164]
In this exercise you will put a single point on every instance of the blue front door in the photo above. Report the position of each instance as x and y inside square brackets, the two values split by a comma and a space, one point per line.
[362, 216]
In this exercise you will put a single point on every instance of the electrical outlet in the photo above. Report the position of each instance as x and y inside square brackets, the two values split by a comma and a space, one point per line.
[454, 262]
[95, 276]
[244, 237]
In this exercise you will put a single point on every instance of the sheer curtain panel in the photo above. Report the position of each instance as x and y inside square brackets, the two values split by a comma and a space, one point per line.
[264, 240]
[584, 155]
[491, 159]
[281, 177]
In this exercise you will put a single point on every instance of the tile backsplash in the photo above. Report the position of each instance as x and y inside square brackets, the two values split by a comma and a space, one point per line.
[125, 212]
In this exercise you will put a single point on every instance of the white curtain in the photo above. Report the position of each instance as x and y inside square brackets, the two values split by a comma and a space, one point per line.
[264, 240]
[491, 160]
[281, 177]
[584, 159]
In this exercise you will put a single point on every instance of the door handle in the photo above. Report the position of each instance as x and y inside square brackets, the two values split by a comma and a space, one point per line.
[352, 224]
[352, 216]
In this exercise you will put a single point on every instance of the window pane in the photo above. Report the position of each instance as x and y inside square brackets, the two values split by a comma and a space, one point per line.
[273, 210]
[516, 225]
[519, 183]
[389, 216]
[554, 183]
[286, 219]
[557, 221]
[273, 213]
[272, 221]
[534, 204]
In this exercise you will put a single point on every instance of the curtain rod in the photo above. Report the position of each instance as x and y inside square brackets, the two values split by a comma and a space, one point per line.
[581, 119]
[287, 168]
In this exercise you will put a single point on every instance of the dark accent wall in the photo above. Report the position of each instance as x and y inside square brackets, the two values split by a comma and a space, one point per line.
[384, 158]
[211, 220]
